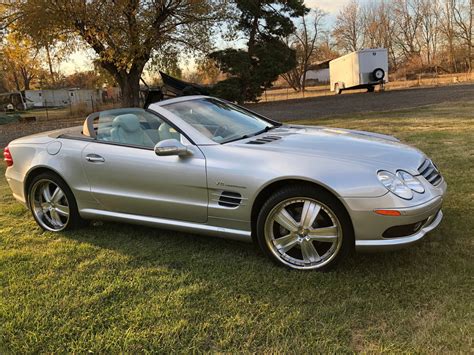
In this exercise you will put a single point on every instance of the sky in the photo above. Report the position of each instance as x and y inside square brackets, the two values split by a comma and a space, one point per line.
[330, 6]
[82, 60]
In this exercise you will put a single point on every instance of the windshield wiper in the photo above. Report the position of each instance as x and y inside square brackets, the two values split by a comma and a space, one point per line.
[245, 136]
[266, 129]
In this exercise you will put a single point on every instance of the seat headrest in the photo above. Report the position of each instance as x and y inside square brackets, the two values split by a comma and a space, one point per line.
[129, 122]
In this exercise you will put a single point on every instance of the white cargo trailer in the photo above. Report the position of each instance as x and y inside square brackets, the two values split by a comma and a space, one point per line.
[358, 70]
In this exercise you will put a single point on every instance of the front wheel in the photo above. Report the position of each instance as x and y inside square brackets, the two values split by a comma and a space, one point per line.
[304, 228]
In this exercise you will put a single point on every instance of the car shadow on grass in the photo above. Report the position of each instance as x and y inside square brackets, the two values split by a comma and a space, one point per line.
[184, 251]
[184, 291]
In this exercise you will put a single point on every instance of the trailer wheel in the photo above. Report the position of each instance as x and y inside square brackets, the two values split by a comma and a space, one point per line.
[371, 88]
[337, 89]
[378, 74]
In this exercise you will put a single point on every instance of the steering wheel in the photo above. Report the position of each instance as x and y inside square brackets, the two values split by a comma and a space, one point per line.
[220, 128]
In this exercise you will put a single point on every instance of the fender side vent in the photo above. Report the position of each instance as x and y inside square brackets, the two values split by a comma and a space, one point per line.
[230, 199]
[264, 140]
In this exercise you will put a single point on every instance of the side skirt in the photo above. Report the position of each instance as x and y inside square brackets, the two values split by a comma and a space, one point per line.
[182, 226]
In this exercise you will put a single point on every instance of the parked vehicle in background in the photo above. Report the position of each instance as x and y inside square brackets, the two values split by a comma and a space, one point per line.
[12, 101]
[358, 70]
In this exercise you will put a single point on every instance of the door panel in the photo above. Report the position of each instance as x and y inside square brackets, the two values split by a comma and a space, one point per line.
[137, 181]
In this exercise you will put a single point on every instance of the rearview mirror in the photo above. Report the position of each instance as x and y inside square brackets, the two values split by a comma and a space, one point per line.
[171, 147]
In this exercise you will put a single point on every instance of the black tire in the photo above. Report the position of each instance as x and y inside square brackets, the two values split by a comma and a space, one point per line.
[74, 220]
[378, 74]
[337, 89]
[371, 89]
[325, 199]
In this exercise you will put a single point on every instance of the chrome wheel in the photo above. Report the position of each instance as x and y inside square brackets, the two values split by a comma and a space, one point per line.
[49, 205]
[303, 233]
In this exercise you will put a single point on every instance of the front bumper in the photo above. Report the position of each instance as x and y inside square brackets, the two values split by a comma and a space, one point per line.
[402, 242]
[370, 228]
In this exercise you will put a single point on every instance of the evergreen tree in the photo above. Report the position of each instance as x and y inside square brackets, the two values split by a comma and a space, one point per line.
[265, 23]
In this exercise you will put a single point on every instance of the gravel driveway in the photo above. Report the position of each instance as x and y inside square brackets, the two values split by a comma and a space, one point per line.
[325, 106]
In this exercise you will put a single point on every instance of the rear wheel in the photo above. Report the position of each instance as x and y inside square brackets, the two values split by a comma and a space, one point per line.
[371, 89]
[305, 228]
[337, 89]
[52, 203]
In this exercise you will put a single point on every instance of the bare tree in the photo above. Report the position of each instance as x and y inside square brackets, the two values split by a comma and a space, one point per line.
[304, 42]
[349, 27]
[379, 27]
[463, 16]
[429, 28]
[449, 35]
[407, 13]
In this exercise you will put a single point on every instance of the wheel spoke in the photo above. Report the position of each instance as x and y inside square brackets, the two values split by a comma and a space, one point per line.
[309, 252]
[46, 194]
[55, 218]
[62, 210]
[58, 194]
[284, 219]
[309, 214]
[325, 234]
[286, 243]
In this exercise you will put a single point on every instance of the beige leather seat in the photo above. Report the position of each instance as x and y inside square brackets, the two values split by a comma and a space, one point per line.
[165, 131]
[126, 129]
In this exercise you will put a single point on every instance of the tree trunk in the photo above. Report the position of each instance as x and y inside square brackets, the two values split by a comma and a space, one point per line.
[130, 86]
[50, 64]
[303, 78]
[253, 36]
[469, 58]
[26, 78]
[27, 84]
[17, 81]
[129, 82]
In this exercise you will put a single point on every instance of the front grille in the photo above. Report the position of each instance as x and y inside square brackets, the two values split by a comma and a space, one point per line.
[429, 171]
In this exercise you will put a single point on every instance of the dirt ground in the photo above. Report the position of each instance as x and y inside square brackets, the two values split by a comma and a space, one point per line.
[297, 109]
[328, 106]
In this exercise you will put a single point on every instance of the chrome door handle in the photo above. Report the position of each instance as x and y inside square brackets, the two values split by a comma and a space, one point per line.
[94, 158]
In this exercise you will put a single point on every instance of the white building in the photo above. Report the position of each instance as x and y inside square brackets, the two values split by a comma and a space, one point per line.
[63, 97]
[318, 73]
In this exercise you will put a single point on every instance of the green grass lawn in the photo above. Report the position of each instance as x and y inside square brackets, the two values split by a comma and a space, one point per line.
[112, 287]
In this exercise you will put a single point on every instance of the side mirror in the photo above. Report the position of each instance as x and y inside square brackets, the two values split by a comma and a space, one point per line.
[171, 147]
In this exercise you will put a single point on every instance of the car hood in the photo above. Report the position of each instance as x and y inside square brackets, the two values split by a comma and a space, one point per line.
[343, 144]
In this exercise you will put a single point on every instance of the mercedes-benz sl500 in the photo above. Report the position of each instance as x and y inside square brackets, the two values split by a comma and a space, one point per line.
[307, 195]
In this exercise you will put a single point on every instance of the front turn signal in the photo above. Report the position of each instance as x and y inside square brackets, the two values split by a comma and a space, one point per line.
[393, 213]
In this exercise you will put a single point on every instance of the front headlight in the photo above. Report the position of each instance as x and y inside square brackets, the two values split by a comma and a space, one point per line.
[395, 184]
[411, 181]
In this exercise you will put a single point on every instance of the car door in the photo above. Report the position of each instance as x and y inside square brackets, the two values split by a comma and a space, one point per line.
[128, 177]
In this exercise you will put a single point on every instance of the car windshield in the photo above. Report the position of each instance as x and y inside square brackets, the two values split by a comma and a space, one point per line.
[220, 121]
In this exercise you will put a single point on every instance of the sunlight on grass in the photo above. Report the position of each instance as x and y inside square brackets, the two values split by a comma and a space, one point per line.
[112, 287]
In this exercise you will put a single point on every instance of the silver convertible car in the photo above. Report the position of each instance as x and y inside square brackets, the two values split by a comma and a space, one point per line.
[307, 195]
